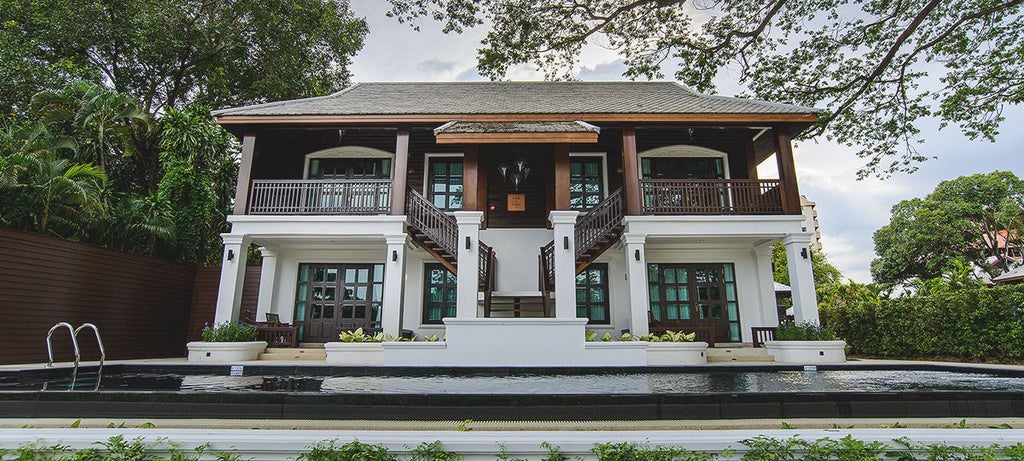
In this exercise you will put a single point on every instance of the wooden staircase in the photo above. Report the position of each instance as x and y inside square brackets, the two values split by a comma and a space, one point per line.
[437, 233]
[595, 233]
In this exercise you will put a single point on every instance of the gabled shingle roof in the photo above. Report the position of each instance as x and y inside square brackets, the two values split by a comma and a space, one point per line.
[516, 98]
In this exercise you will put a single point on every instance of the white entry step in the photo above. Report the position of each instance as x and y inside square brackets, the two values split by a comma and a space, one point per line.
[720, 354]
[294, 353]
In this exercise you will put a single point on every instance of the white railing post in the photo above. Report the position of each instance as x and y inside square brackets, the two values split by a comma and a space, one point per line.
[467, 251]
[564, 225]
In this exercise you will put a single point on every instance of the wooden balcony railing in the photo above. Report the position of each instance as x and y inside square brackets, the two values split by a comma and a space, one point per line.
[711, 196]
[435, 224]
[597, 224]
[320, 197]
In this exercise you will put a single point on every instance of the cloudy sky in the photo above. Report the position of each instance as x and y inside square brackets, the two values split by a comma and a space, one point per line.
[849, 210]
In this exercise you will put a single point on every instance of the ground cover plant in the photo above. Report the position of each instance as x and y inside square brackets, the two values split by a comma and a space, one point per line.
[760, 448]
[227, 332]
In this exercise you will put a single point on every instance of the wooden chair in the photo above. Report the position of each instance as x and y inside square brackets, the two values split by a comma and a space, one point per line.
[275, 333]
[759, 335]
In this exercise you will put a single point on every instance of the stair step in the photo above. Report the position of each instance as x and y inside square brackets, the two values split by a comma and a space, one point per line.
[738, 354]
[281, 353]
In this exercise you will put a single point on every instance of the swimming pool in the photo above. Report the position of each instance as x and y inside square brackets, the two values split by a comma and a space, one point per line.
[422, 393]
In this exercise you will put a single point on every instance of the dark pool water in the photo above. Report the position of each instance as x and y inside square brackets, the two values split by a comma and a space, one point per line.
[540, 384]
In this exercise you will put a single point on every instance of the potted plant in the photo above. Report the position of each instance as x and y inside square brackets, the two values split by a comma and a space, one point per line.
[356, 348]
[675, 348]
[226, 342]
[808, 343]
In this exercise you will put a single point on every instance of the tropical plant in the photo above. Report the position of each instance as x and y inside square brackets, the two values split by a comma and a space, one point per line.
[670, 337]
[358, 336]
[228, 332]
[351, 451]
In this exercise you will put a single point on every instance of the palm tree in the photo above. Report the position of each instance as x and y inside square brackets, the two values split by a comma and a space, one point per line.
[70, 192]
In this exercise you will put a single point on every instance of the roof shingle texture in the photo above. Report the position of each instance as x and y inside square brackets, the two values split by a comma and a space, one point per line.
[516, 127]
[516, 98]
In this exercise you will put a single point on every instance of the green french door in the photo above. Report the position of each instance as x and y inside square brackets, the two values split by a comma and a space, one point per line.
[338, 297]
[694, 295]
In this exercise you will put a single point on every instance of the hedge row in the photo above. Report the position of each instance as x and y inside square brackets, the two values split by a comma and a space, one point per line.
[974, 323]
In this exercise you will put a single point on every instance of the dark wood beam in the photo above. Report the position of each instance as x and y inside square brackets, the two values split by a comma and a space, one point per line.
[750, 157]
[481, 189]
[470, 178]
[787, 170]
[561, 176]
[398, 185]
[244, 174]
[630, 172]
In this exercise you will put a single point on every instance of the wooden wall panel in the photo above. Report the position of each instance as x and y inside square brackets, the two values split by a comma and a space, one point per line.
[140, 304]
[204, 297]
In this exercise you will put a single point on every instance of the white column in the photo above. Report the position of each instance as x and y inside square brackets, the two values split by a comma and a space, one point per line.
[268, 280]
[766, 281]
[801, 278]
[636, 272]
[232, 276]
[564, 225]
[394, 281]
[468, 265]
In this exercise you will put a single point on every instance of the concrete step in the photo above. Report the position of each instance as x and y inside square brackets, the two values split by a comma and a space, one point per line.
[297, 353]
[719, 354]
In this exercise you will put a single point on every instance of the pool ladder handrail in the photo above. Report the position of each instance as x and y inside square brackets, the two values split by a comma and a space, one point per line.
[73, 332]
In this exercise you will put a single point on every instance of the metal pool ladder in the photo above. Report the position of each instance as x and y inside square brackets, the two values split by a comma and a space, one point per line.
[78, 355]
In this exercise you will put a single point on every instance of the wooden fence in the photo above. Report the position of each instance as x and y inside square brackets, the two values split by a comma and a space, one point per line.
[204, 297]
[140, 304]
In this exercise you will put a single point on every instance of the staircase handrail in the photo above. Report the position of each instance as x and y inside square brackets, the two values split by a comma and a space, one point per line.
[485, 281]
[600, 220]
[432, 221]
[547, 267]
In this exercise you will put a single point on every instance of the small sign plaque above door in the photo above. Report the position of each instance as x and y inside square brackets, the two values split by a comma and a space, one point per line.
[516, 202]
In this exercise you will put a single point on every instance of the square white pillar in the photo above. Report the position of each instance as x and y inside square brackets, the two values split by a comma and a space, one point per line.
[636, 273]
[468, 265]
[268, 281]
[394, 282]
[766, 287]
[564, 225]
[232, 276]
[801, 277]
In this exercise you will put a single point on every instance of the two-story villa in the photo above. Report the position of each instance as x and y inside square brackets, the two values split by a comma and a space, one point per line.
[529, 208]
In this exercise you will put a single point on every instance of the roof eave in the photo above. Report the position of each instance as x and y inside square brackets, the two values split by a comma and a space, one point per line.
[807, 118]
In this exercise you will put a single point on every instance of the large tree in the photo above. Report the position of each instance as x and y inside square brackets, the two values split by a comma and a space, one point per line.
[976, 219]
[879, 68]
[168, 53]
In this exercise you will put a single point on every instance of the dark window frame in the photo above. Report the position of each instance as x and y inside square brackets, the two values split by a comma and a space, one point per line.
[448, 193]
[587, 306]
[450, 283]
[383, 166]
[578, 199]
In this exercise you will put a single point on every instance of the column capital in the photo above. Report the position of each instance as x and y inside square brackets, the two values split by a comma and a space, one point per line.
[469, 217]
[803, 238]
[268, 252]
[396, 240]
[562, 217]
[235, 239]
[634, 239]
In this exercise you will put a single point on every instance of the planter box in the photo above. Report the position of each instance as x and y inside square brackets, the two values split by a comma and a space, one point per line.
[809, 352]
[355, 353]
[202, 351]
[694, 353]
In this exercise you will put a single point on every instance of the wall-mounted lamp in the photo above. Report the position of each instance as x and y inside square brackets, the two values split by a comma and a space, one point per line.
[394, 255]
[803, 252]
[636, 255]
[565, 242]
[468, 243]
[231, 255]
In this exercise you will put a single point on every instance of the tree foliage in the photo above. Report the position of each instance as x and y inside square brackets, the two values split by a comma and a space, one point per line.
[879, 68]
[971, 220]
[174, 53]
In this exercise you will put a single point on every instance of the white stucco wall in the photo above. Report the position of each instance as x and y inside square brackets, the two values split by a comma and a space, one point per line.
[517, 251]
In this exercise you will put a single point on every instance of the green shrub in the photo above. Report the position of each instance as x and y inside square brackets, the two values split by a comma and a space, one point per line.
[359, 336]
[804, 332]
[637, 452]
[971, 323]
[229, 332]
[352, 451]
